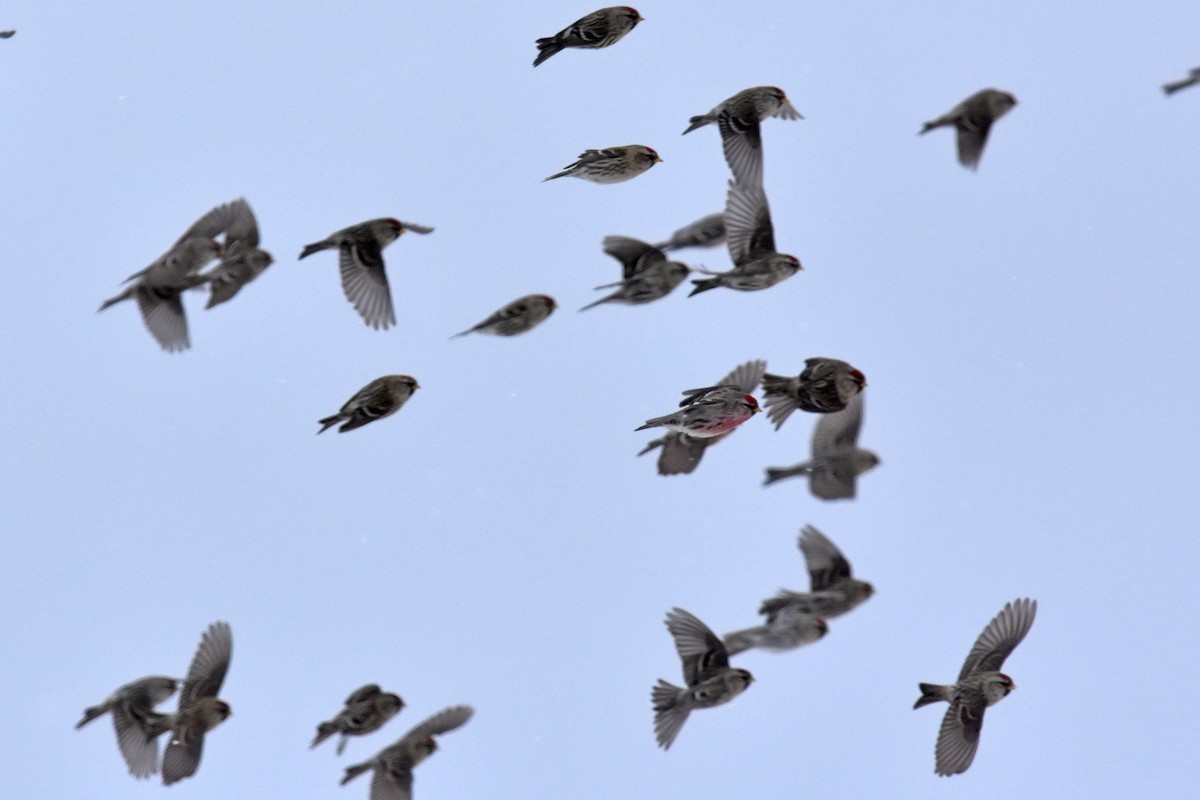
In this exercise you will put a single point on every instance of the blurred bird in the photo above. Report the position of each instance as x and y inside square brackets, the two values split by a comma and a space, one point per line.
[738, 119]
[610, 165]
[837, 460]
[681, 453]
[366, 711]
[751, 239]
[705, 232]
[360, 260]
[1191, 80]
[646, 274]
[785, 631]
[199, 709]
[598, 29]
[380, 398]
[824, 386]
[833, 590]
[980, 684]
[393, 765]
[708, 412]
[521, 315]
[137, 724]
[710, 681]
[241, 261]
[7, 34]
[973, 118]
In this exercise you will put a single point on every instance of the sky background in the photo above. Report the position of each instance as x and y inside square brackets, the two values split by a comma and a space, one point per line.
[1028, 331]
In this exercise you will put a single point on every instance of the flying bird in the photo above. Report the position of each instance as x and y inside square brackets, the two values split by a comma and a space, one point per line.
[241, 258]
[973, 119]
[837, 460]
[137, 724]
[610, 165]
[824, 386]
[709, 679]
[360, 260]
[980, 684]
[393, 765]
[521, 315]
[380, 398]
[708, 412]
[646, 274]
[199, 708]
[751, 240]
[366, 711]
[833, 589]
[738, 119]
[598, 29]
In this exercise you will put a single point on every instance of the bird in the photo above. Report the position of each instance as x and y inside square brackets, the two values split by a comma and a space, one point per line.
[242, 260]
[158, 289]
[199, 708]
[751, 240]
[783, 632]
[598, 29]
[380, 398]
[980, 684]
[393, 765]
[360, 260]
[709, 679]
[1191, 80]
[973, 119]
[646, 274]
[824, 386]
[521, 315]
[610, 165]
[7, 34]
[837, 460]
[705, 232]
[833, 589]
[367, 709]
[708, 412]
[738, 119]
[137, 724]
[681, 452]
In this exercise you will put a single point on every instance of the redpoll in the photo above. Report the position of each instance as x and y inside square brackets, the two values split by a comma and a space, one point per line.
[784, 632]
[1191, 80]
[610, 165]
[980, 684]
[837, 461]
[137, 724]
[738, 119]
[522, 314]
[705, 232]
[598, 29]
[708, 412]
[646, 275]
[973, 118]
[681, 453]
[825, 386]
[380, 398]
[366, 711]
[706, 671]
[751, 245]
[393, 765]
[242, 261]
[360, 259]
[199, 709]
[833, 589]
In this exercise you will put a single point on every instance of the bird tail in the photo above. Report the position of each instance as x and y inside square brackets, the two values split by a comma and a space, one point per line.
[779, 473]
[601, 300]
[557, 175]
[931, 693]
[547, 47]
[326, 424]
[698, 122]
[704, 284]
[354, 771]
[669, 712]
[90, 714]
[1175, 86]
[325, 729]
[316, 247]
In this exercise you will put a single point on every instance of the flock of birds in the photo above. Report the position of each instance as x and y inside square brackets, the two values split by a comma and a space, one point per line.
[830, 388]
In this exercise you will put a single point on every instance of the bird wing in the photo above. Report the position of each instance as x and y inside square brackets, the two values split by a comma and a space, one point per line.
[164, 318]
[365, 282]
[742, 141]
[837, 433]
[1000, 637]
[702, 651]
[958, 738]
[445, 720]
[182, 757]
[139, 749]
[209, 665]
[389, 784]
[635, 255]
[363, 692]
[826, 564]
[747, 223]
[745, 376]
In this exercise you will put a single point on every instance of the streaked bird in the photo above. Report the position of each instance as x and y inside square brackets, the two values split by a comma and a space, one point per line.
[380, 398]
[738, 118]
[241, 260]
[751, 240]
[973, 119]
[367, 710]
[824, 386]
[521, 315]
[610, 165]
[833, 589]
[598, 29]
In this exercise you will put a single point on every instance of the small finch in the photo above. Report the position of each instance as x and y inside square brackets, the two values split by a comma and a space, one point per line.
[833, 590]
[366, 711]
[824, 386]
[738, 119]
[782, 633]
[598, 29]
[523, 314]
[751, 239]
[137, 724]
[837, 460]
[708, 412]
[681, 453]
[610, 165]
[360, 260]
[646, 274]
[709, 679]
[380, 398]
[973, 118]
[393, 765]
[980, 684]
[241, 260]
[1191, 80]
[705, 232]
[199, 709]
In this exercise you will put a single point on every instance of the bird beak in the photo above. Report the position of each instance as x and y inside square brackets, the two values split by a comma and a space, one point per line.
[755, 410]
[657, 160]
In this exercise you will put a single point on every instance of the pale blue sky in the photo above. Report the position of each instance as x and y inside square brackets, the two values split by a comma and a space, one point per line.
[1028, 331]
